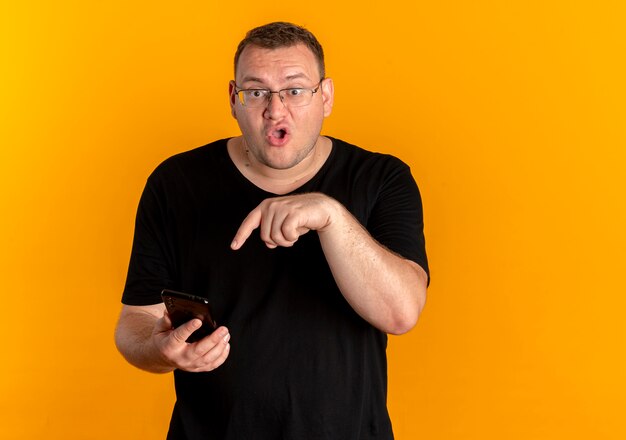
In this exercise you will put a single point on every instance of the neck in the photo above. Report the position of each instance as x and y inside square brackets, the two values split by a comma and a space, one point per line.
[274, 180]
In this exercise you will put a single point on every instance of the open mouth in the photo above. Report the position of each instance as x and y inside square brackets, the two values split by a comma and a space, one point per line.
[280, 133]
[278, 136]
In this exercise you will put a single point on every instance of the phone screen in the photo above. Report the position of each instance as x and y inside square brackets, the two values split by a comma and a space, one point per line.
[183, 307]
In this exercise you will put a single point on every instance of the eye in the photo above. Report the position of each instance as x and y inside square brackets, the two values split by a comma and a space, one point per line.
[258, 93]
[295, 92]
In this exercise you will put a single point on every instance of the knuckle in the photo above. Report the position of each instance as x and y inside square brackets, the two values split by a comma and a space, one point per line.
[286, 229]
[178, 337]
[277, 238]
[289, 233]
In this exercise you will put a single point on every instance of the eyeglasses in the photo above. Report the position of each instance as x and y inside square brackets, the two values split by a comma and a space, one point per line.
[291, 97]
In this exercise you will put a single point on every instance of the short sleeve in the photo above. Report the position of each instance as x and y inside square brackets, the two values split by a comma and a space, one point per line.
[150, 267]
[396, 219]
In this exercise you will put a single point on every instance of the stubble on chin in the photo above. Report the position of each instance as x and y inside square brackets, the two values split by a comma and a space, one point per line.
[282, 160]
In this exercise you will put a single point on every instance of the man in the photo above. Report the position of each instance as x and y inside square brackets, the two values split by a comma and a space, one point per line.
[310, 250]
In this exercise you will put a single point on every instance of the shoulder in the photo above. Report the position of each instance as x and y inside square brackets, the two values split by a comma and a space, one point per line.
[186, 173]
[189, 162]
[357, 158]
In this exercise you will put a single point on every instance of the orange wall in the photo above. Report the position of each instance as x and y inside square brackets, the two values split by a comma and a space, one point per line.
[511, 115]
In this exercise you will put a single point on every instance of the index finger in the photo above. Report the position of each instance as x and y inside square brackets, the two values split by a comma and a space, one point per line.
[249, 224]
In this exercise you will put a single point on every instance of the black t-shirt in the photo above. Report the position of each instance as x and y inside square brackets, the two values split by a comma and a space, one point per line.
[303, 364]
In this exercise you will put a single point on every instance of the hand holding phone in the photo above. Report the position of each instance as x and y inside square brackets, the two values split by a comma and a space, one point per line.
[183, 307]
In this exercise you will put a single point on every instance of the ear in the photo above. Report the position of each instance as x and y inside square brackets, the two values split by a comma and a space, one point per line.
[328, 95]
[232, 98]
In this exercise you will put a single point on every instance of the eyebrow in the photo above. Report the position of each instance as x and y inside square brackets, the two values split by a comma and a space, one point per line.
[252, 79]
[297, 76]
[262, 82]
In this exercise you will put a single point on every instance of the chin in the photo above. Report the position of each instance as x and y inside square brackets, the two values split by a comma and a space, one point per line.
[281, 164]
[283, 158]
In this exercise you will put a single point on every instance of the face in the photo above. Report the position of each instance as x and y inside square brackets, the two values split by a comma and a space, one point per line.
[280, 137]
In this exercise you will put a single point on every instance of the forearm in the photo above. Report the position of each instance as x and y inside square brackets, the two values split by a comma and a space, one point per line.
[385, 289]
[134, 339]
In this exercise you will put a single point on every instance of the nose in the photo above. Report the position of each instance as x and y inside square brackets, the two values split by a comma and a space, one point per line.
[275, 106]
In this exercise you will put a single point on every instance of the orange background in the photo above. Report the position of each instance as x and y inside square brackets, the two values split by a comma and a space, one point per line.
[511, 115]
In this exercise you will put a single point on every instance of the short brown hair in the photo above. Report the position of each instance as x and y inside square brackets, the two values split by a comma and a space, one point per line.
[282, 34]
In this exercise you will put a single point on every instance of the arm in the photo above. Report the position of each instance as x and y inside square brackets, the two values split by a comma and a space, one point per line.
[383, 288]
[145, 337]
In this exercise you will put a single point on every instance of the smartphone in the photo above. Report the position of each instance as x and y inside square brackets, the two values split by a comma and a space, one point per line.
[183, 307]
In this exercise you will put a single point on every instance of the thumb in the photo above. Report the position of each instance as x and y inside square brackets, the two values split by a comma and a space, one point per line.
[182, 332]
